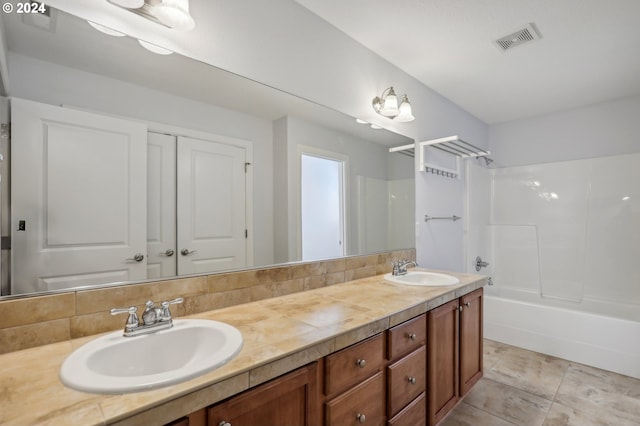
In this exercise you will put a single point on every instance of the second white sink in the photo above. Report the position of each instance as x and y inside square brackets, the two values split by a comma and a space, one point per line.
[115, 364]
[423, 278]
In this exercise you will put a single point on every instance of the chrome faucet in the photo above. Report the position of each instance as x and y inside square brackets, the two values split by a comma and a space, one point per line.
[153, 318]
[400, 266]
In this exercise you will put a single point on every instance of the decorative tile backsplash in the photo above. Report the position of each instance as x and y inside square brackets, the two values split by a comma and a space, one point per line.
[40, 320]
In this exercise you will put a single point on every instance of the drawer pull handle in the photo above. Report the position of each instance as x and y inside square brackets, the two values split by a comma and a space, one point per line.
[412, 336]
[361, 363]
[361, 418]
[224, 423]
[412, 380]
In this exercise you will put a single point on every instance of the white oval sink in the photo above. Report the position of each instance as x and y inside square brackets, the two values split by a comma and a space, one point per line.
[115, 364]
[422, 278]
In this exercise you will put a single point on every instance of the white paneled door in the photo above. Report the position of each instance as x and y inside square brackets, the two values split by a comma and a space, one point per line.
[78, 187]
[161, 206]
[211, 206]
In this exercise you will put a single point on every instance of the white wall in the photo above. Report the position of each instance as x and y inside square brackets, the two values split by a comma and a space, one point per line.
[604, 129]
[57, 85]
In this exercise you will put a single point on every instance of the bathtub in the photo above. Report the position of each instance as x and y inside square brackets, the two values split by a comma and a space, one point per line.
[528, 321]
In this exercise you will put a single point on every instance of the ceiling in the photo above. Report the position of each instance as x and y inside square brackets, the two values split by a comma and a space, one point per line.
[589, 51]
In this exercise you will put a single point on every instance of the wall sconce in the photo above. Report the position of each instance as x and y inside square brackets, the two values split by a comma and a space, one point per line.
[170, 13]
[387, 105]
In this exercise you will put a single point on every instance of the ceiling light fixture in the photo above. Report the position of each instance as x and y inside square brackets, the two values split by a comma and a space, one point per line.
[387, 106]
[169, 13]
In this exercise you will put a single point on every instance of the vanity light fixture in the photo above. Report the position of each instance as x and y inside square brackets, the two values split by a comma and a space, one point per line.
[387, 106]
[169, 13]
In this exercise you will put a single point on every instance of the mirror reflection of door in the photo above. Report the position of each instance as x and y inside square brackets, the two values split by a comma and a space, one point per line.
[207, 232]
[78, 183]
[322, 207]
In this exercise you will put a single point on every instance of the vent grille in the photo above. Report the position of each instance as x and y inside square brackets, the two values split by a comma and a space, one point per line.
[525, 35]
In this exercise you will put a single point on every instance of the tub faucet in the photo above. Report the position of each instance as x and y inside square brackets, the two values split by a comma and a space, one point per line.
[400, 266]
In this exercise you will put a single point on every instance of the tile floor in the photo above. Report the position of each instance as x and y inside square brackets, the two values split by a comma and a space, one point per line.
[525, 388]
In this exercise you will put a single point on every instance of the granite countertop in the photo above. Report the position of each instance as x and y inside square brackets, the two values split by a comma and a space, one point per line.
[280, 334]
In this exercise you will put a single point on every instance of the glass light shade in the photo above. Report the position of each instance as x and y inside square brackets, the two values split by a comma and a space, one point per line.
[129, 4]
[155, 49]
[405, 114]
[389, 104]
[175, 14]
[106, 30]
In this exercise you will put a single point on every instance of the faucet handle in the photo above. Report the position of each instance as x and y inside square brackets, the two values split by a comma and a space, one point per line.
[132, 319]
[166, 313]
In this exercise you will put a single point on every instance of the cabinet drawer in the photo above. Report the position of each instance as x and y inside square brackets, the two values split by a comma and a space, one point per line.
[413, 414]
[363, 403]
[405, 337]
[406, 379]
[353, 364]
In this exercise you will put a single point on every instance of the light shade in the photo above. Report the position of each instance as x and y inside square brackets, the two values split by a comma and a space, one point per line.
[155, 49]
[175, 14]
[389, 105]
[106, 30]
[129, 4]
[405, 114]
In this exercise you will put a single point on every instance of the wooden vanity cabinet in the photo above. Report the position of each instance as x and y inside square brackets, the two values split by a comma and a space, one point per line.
[406, 375]
[288, 400]
[454, 352]
[354, 385]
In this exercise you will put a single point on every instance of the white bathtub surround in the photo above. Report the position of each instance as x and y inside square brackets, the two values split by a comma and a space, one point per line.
[563, 240]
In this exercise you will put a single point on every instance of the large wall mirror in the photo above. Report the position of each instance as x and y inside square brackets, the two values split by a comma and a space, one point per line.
[125, 165]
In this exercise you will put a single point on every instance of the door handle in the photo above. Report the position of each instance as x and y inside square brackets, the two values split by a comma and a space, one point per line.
[480, 264]
[167, 253]
[138, 257]
[187, 252]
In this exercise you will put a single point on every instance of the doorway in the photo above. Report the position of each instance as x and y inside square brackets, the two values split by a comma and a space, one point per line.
[322, 204]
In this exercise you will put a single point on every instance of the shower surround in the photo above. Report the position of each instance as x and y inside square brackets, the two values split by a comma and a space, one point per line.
[563, 241]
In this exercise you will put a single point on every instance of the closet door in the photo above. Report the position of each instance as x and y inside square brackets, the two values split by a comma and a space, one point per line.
[211, 206]
[78, 210]
[161, 206]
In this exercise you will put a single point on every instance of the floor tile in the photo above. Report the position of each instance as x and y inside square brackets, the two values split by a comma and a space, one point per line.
[560, 415]
[529, 371]
[466, 415]
[514, 405]
[594, 391]
[492, 351]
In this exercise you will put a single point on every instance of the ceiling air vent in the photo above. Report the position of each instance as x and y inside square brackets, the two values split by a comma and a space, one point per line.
[525, 35]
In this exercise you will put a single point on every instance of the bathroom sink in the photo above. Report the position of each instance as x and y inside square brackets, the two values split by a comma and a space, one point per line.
[114, 364]
[422, 278]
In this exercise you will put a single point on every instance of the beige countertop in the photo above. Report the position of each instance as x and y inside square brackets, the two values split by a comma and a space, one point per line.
[280, 334]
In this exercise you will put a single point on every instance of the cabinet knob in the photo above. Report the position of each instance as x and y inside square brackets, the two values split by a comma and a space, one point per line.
[412, 380]
[412, 336]
[361, 363]
[224, 423]
[460, 308]
[467, 304]
[361, 418]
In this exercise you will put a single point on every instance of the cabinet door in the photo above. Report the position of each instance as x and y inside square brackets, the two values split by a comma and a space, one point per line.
[442, 360]
[288, 400]
[470, 340]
